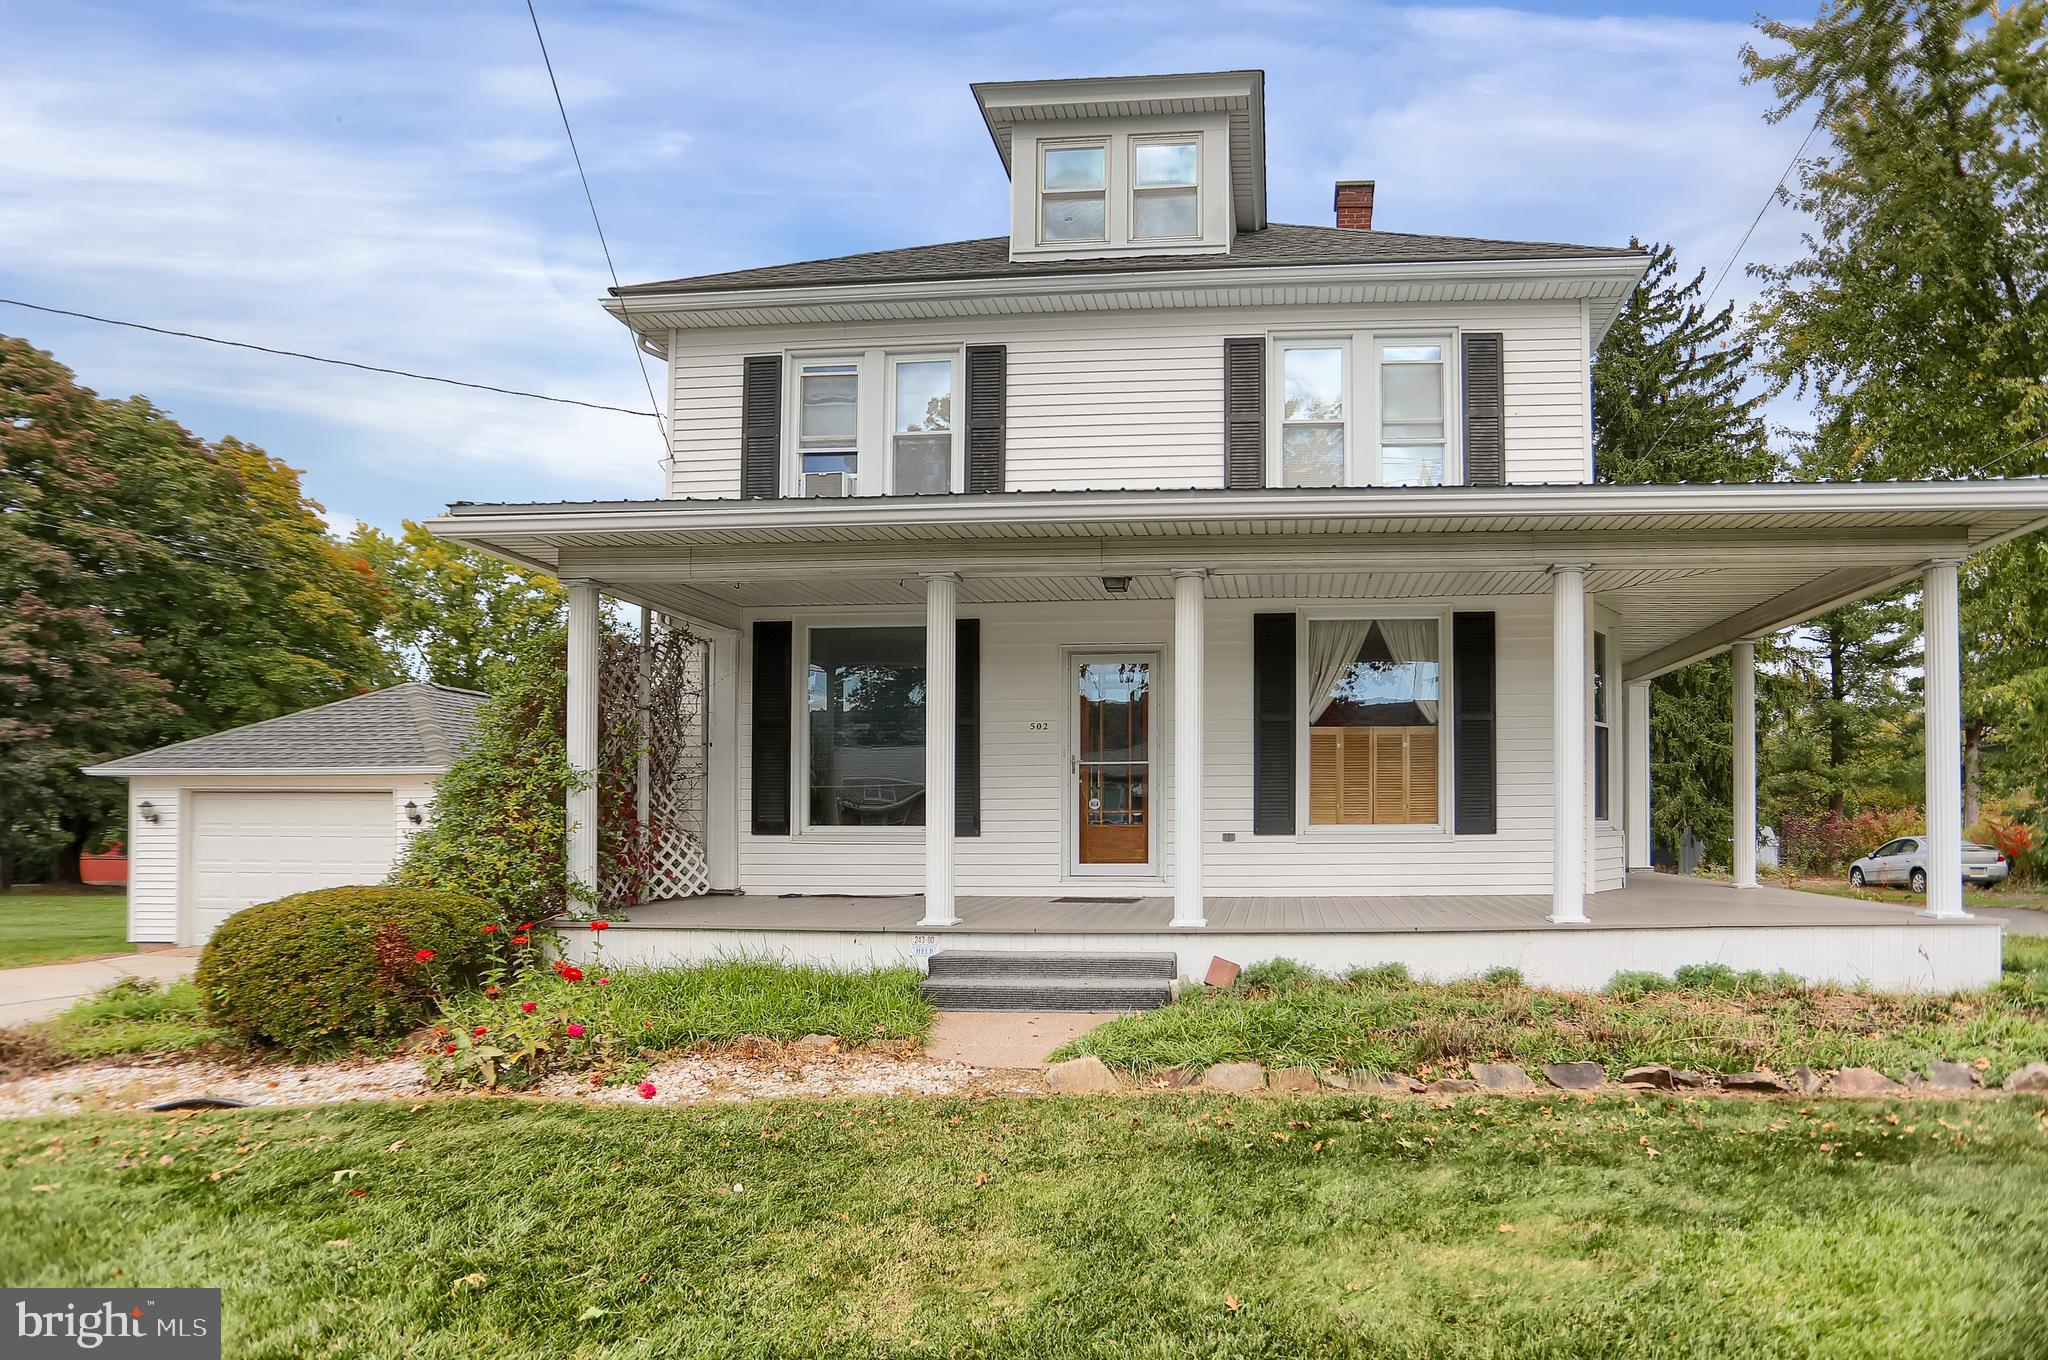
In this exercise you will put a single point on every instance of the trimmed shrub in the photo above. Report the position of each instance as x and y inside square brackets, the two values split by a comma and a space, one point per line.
[323, 970]
[1278, 975]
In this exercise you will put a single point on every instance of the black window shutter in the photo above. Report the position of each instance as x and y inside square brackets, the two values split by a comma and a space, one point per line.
[1486, 456]
[761, 427]
[967, 729]
[1244, 413]
[987, 415]
[772, 698]
[1473, 762]
[1273, 704]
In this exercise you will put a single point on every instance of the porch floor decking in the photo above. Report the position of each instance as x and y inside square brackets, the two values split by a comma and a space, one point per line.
[1650, 901]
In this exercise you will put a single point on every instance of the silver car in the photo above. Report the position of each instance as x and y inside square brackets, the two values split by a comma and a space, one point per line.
[1903, 863]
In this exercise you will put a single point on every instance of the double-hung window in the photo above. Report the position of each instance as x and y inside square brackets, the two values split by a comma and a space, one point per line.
[1314, 376]
[1603, 743]
[1374, 688]
[828, 425]
[921, 425]
[1414, 390]
[1073, 192]
[1165, 198]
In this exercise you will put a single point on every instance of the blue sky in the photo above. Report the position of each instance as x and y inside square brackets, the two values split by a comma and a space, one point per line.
[389, 182]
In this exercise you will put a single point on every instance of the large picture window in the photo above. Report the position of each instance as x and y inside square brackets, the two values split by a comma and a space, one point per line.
[1374, 698]
[865, 701]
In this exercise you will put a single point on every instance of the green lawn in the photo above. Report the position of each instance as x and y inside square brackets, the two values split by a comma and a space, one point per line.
[1159, 1226]
[1380, 1021]
[47, 927]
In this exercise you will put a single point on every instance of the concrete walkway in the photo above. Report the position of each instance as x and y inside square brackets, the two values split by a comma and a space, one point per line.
[42, 990]
[1007, 1038]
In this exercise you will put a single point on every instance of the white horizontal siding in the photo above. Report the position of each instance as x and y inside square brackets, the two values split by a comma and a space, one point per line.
[1610, 858]
[1024, 777]
[1134, 400]
[156, 870]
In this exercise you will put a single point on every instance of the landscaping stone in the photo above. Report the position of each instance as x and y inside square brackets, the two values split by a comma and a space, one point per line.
[1575, 1076]
[1296, 1079]
[1502, 1077]
[1807, 1080]
[1451, 1086]
[1080, 1076]
[1222, 973]
[1863, 1081]
[1240, 1076]
[1763, 1082]
[1650, 1074]
[1395, 1081]
[816, 1045]
[1339, 1080]
[1688, 1078]
[2032, 1077]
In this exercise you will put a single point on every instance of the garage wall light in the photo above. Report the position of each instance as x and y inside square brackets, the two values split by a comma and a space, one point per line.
[412, 812]
[148, 811]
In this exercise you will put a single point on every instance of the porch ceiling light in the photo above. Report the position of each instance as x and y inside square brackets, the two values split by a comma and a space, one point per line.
[148, 811]
[1117, 585]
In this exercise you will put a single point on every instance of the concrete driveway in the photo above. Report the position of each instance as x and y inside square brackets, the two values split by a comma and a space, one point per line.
[42, 990]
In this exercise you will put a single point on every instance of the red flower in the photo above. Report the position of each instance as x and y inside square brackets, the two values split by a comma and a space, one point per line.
[527, 1006]
[568, 972]
[525, 926]
[493, 991]
[424, 956]
[647, 1090]
[480, 1031]
[600, 925]
[521, 939]
[449, 1049]
[575, 1031]
[604, 982]
[490, 930]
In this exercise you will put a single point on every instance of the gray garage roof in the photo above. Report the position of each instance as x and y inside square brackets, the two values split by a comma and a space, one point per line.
[989, 258]
[417, 728]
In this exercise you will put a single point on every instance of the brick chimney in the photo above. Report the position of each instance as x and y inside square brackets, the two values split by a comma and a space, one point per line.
[1354, 204]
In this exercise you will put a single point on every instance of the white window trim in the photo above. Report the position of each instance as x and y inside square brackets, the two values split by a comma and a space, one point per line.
[1441, 829]
[875, 414]
[1108, 188]
[1362, 458]
[800, 737]
[1133, 192]
[1610, 821]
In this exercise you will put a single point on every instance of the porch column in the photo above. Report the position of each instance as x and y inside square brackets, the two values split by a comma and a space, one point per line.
[1568, 741]
[1190, 603]
[722, 761]
[582, 732]
[1637, 716]
[941, 645]
[1742, 656]
[1942, 669]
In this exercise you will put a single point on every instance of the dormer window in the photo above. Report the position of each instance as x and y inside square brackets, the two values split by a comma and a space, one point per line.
[1074, 192]
[1164, 190]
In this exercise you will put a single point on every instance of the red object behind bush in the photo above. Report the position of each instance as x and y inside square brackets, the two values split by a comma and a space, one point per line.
[107, 866]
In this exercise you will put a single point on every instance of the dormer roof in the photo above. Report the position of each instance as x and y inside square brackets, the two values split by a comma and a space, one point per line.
[1240, 95]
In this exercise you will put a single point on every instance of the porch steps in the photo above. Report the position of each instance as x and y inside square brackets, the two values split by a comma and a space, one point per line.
[1003, 980]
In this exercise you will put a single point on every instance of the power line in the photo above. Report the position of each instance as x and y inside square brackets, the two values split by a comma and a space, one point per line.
[1769, 199]
[639, 358]
[324, 359]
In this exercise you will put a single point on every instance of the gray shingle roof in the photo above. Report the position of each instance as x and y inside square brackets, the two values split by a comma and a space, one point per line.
[989, 258]
[414, 727]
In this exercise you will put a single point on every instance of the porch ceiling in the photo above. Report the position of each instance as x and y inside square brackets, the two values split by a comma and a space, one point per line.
[1688, 569]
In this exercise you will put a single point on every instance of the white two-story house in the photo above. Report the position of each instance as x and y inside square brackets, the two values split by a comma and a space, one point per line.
[1162, 576]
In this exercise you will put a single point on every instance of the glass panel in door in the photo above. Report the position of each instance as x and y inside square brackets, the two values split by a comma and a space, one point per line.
[1113, 761]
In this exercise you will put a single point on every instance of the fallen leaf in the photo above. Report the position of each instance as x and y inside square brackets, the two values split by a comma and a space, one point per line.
[396, 1146]
[346, 1173]
[981, 1178]
[1506, 1228]
[474, 1280]
[337, 1241]
[1230, 1302]
[592, 1313]
[45, 1189]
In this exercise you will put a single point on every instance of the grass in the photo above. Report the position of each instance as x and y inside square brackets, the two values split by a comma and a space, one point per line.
[1157, 1226]
[50, 927]
[2017, 898]
[134, 1015]
[1379, 1020]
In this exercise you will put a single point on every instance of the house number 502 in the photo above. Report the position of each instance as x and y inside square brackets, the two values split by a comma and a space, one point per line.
[1041, 727]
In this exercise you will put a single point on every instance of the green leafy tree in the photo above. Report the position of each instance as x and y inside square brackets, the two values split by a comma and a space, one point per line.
[457, 617]
[1917, 317]
[1670, 404]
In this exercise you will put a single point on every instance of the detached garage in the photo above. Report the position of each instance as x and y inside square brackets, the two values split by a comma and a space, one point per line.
[316, 799]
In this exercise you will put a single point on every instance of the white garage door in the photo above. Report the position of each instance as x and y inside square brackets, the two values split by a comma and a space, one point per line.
[254, 847]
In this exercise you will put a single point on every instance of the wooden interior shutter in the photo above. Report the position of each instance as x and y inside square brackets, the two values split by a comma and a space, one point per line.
[771, 700]
[1486, 456]
[1244, 413]
[967, 728]
[987, 415]
[1273, 724]
[761, 427]
[1473, 736]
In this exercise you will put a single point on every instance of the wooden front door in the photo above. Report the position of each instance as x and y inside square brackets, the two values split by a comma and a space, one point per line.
[1112, 762]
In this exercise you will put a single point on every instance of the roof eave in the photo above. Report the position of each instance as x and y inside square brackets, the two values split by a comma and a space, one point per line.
[113, 770]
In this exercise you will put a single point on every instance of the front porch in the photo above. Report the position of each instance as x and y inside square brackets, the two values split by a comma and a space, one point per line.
[1658, 922]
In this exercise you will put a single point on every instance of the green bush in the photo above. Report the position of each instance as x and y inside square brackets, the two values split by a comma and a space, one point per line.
[1377, 975]
[1502, 977]
[1634, 982]
[134, 1015]
[323, 970]
[1278, 975]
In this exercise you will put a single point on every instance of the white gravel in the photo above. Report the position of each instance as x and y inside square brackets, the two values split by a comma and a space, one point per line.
[680, 1081]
